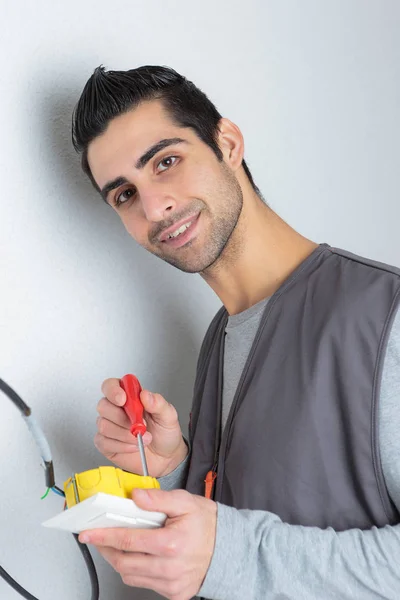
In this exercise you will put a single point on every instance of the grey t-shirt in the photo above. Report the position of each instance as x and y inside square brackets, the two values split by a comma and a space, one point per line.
[240, 332]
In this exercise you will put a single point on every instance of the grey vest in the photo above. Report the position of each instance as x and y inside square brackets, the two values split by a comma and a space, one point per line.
[301, 437]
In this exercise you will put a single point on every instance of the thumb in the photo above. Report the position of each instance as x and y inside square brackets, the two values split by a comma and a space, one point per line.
[173, 503]
[161, 411]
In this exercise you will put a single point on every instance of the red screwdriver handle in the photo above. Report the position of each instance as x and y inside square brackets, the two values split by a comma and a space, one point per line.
[133, 406]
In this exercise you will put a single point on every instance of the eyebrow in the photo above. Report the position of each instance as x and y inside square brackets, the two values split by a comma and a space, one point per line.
[153, 150]
[112, 185]
[140, 164]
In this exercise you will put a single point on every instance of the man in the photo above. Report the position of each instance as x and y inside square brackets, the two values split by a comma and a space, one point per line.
[295, 419]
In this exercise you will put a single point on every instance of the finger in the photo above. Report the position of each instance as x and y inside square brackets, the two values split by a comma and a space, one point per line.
[162, 412]
[158, 542]
[135, 563]
[114, 432]
[111, 447]
[113, 391]
[117, 415]
[174, 590]
[167, 587]
[173, 503]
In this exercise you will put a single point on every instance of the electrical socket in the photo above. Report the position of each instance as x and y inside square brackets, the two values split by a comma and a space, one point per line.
[105, 510]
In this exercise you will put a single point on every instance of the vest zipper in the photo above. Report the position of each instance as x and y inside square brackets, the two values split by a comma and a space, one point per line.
[209, 482]
[209, 490]
[223, 439]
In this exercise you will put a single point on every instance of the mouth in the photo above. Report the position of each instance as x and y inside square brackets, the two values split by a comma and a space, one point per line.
[181, 233]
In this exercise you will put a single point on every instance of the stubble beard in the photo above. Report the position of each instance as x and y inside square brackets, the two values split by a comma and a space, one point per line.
[190, 259]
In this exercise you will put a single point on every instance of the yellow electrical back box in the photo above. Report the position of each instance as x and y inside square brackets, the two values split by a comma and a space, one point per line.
[109, 480]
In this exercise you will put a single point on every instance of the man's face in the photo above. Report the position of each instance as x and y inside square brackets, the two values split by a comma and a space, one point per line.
[172, 194]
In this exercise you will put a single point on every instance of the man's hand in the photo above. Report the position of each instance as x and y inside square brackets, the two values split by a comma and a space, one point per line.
[164, 445]
[173, 560]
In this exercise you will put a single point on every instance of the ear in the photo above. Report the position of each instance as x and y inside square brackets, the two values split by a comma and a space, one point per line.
[231, 143]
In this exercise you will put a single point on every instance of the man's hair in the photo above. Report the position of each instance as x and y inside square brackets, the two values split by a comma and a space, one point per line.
[108, 94]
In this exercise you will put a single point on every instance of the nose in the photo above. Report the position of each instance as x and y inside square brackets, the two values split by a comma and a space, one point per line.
[157, 204]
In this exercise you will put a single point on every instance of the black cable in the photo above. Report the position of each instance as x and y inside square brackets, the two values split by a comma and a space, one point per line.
[90, 567]
[50, 483]
[49, 474]
[19, 403]
[94, 582]
[18, 588]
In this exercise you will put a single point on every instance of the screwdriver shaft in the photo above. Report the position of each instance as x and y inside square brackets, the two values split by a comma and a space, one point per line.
[142, 454]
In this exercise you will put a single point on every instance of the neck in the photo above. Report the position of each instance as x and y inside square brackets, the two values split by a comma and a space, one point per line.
[261, 254]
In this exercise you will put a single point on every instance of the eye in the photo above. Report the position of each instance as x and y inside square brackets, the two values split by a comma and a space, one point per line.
[124, 196]
[166, 163]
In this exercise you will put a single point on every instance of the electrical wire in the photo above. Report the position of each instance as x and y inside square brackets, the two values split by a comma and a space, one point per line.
[94, 582]
[15, 585]
[19, 403]
[50, 485]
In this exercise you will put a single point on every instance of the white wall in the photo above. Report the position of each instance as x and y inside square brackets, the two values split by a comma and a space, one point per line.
[315, 88]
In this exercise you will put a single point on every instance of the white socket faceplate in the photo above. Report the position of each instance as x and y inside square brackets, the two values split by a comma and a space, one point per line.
[105, 510]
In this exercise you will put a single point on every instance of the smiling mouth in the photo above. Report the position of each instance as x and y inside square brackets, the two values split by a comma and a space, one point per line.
[180, 230]
[183, 234]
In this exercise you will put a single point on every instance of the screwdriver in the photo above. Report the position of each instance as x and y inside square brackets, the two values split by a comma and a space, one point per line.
[134, 409]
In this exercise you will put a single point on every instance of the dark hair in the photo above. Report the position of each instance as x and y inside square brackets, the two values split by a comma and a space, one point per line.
[108, 94]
